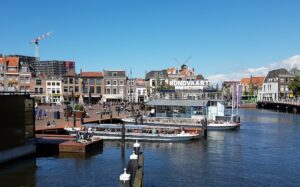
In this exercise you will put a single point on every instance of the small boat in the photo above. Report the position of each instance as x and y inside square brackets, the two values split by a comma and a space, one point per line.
[224, 125]
[137, 132]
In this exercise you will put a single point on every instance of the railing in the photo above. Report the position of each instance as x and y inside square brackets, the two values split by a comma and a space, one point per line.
[285, 101]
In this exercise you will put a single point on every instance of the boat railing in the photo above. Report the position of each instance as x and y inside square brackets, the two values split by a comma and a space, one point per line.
[172, 120]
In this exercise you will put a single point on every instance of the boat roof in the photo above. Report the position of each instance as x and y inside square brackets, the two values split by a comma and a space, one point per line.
[177, 102]
[127, 126]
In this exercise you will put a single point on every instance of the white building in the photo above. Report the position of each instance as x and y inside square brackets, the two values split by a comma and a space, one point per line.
[54, 91]
[270, 90]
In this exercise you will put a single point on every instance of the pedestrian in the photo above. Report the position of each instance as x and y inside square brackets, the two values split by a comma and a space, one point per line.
[45, 114]
[40, 114]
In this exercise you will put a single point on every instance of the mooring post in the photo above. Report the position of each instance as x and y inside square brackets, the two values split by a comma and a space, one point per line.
[136, 147]
[125, 179]
[74, 119]
[111, 116]
[123, 141]
[134, 165]
[205, 128]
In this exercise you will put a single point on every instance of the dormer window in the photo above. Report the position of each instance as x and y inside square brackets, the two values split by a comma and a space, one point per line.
[114, 74]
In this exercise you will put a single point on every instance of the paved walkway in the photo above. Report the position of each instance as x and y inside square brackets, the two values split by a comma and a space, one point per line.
[95, 113]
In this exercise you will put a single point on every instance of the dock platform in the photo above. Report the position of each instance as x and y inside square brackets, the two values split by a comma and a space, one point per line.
[64, 143]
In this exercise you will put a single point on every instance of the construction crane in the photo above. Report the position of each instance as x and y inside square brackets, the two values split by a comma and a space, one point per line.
[36, 42]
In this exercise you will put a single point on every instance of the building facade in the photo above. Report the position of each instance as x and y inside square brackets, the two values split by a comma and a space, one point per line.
[54, 91]
[275, 86]
[115, 88]
[91, 86]
[54, 68]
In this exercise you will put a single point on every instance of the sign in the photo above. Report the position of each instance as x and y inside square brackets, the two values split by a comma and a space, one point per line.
[189, 85]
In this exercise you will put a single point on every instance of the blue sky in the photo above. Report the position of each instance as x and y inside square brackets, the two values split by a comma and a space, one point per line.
[221, 36]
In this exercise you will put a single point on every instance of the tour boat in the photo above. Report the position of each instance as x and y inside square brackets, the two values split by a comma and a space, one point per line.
[211, 124]
[137, 132]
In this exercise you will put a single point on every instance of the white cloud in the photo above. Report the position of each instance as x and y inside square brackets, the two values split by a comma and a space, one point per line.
[289, 63]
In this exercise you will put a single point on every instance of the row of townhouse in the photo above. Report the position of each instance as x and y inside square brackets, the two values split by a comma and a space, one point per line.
[57, 81]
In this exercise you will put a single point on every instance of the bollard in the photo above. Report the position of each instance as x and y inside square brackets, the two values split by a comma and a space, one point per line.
[123, 141]
[136, 147]
[125, 179]
[134, 164]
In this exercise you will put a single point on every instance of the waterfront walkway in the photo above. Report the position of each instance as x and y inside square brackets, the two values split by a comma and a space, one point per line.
[94, 113]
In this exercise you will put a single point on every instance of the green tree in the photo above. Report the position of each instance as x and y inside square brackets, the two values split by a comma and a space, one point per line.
[294, 86]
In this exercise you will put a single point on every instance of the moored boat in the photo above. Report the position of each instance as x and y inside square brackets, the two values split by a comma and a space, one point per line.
[137, 132]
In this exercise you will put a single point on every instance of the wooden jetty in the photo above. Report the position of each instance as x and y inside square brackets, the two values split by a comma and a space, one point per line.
[134, 173]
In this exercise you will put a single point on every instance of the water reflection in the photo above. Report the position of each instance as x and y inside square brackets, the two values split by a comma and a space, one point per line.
[19, 173]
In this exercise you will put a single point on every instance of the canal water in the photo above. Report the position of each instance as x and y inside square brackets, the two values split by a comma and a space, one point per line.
[265, 151]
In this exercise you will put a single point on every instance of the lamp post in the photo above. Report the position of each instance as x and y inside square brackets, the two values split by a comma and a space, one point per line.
[67, 110]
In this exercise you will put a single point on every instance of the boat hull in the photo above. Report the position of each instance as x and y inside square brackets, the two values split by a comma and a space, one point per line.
[138, 136]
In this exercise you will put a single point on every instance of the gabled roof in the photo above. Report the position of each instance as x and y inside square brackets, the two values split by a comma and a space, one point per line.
[156, 74]
[275, 73]
[91, 74]
[255, 80]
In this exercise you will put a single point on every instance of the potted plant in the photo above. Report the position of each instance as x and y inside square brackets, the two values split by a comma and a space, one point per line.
[79, 111]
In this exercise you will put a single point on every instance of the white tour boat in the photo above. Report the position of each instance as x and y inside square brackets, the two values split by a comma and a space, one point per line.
[136, 132]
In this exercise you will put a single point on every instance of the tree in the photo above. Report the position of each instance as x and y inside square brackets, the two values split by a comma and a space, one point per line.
[295, 71]
[294, 86]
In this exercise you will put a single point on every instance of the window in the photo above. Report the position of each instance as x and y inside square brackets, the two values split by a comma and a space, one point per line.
[53, 90]
[98, 81]
[92, 81]
[85, 89]
[76, 89]
[98, 90]
[58, 84]
[114, 74]
[53, 83]
[153, 82]
[22, 89]
[76, 80]
[115, 91]
[22, 80]
[107, 82]
[139, 92]
[38, 82]
[84, 81]
[36, 90]
[114, 83]
[92, 89]
[282, 80]
[107, 91]
[41, 90]
[65, 80]
[71, 81]
[58, 91]
[65, 89]
[27, 89]
[281, 88]
[27, 79]
[48, 90]
[70, 89]
[121, 83]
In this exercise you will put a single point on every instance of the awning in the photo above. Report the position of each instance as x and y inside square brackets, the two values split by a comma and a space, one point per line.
[176, 102]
